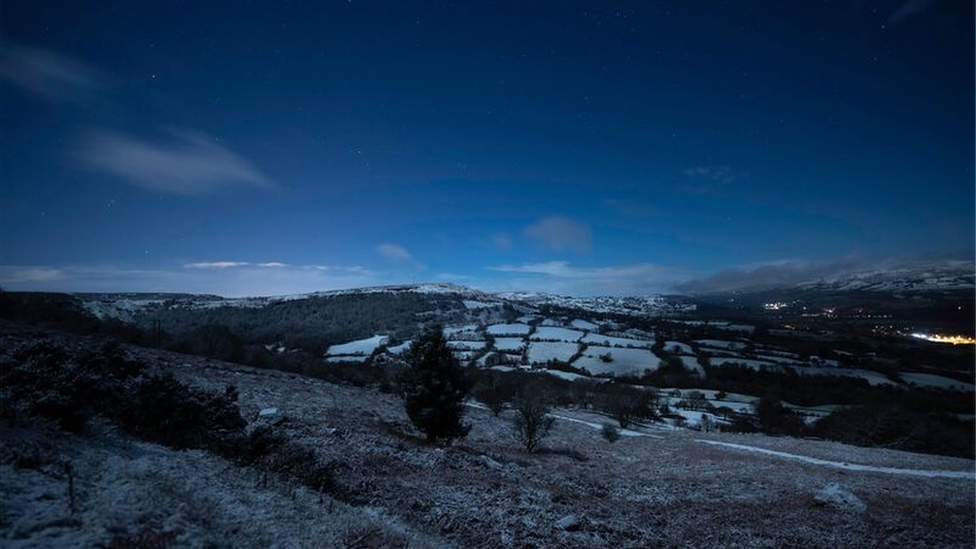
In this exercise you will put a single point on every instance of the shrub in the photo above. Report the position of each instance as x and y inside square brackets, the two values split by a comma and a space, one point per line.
[609, 432]
[434, 388]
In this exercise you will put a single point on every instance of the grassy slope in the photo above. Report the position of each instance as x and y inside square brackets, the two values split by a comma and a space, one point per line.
[639, 492]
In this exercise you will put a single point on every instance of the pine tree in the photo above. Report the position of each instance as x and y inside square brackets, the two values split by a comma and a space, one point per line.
[435, 387]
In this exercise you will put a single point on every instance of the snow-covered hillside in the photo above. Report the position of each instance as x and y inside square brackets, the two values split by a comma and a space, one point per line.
[931, 276]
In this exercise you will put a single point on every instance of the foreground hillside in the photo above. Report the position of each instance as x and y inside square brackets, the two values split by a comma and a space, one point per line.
[655, 488]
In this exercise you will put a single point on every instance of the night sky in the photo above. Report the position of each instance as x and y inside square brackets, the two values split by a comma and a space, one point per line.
[573, 147]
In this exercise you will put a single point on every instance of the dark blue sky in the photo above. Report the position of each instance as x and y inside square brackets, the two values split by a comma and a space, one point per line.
[579, 147]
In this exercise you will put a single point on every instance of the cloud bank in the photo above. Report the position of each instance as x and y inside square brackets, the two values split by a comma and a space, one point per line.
[565, 278]
[771, 274]
[227, 278]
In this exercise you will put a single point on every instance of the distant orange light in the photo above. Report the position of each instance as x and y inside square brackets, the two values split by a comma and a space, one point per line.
[953, 339]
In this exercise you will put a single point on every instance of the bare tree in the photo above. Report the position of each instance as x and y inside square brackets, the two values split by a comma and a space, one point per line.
[532, 422]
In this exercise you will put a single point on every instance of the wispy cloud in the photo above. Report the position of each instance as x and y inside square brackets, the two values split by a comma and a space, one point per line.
[51, 75]
[909, 9]
[216, 264]
[561, 233]
[188, 163]
[26, 274]
[563, 277]
[263, 265]
[393, 252]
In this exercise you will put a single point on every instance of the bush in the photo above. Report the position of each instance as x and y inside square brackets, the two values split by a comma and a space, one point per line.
[774, 419]
[626, 404]
[267, 450]
[43, 380]
[162, 409]
[609, 432]
[532, 422]
[434, 388]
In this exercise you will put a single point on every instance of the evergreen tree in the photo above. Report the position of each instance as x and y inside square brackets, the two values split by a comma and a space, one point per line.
[435, 387]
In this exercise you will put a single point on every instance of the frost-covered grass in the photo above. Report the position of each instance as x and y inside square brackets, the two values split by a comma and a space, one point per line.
[359, 347]
[123, 488]
[540, 352]
[657, 488]
[339, 359]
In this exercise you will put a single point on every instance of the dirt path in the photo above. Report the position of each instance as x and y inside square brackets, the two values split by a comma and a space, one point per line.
[843, 465]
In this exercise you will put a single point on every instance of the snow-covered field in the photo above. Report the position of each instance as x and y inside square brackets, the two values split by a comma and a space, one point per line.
[584, 325]
[611, 341]
[466, 345]
[552, 333]
[360, 347]
[932, 380]
[690, 362]
[722, 344]
[399, 349]
[872, 377]
[540, 352]
[623, 360]
[678, 347]
[509, 344]
[509, 329]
